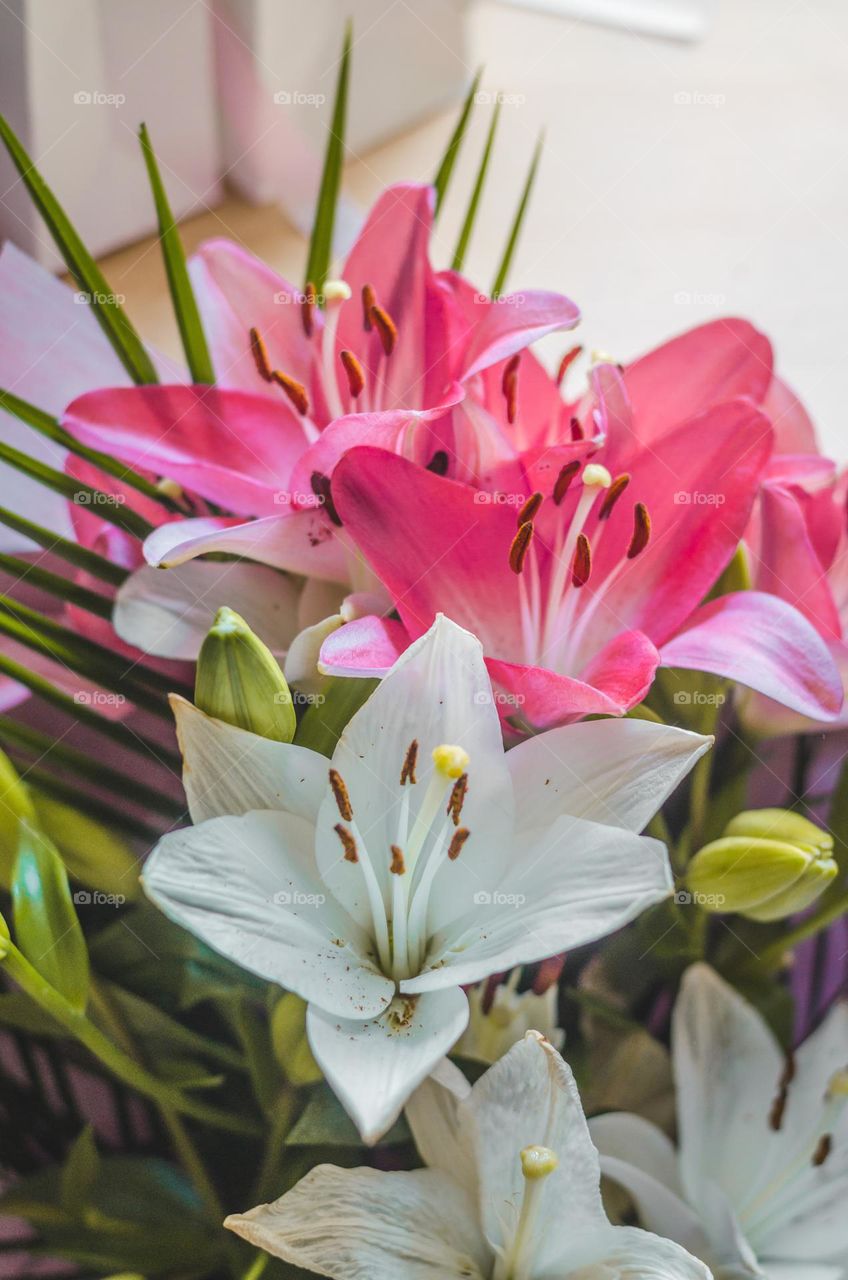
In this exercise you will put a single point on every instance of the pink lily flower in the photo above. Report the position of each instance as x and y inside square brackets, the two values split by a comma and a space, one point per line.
[577, 592]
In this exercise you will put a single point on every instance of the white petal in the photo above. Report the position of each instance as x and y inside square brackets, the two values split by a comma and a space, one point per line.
[614, 771]
[437, 692]
[249, 887]
[727, 1066]
[631, 1138]
[374, 1066]
[579, 883]
[626, 1253]
[231, 771]
[167, 612]
[529, 1098]
[803, 1271]
[433, 1113]
[301, 666]
[362, 1224]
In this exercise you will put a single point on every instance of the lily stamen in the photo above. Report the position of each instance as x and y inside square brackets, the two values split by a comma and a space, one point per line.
[520, 546]
[348, 843]
[369, 299]
[566, 362]
[641, 531]
[564, 479]
[537, 1164]
[612, 495]
[295, 390]
[457, 799]
[260, 355]
[509, 386]
[581, 566]
[407, 773]
[307, 308]
[529, 509]
[354, 371]
[386, 329]
[341, 795]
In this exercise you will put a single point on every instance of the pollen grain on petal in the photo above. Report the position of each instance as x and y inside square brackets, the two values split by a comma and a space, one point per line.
[520, 546]
[260, 355]
[564, 479]
[341, 795]
[641, 531]
[528, 511]
[397, 866]
[348, 843]
[612, 495]
[354, 371]
[386, 328]
[295, 390]
[458, 840]
[407, 773]
[581, 566]
[307, 308]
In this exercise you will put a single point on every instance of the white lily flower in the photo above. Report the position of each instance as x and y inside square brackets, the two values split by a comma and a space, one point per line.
[759, 1185]
[421, 858]
[498, 1019]
[511, 1193]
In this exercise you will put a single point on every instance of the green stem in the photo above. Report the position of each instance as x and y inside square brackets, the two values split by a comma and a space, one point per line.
[773, 956]
[282, 1119]
[119, 1063]
[257, 1266]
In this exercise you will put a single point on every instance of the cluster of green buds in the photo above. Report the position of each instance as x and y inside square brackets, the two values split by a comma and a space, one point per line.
[239, 680]
[768, 864]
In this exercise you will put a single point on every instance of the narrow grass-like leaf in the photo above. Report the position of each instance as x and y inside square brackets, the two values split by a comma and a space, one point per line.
[56, 585]
[98, 566]
[182, 295]
[46, 425]
[101, 298]
[474, 202]
[79, 1174]
[23, 737]
[79, 710]
[506, 260]
[445, 169]
[116, 819]
[146, 688]
[84, 495]
[321, 241]
[47, 930]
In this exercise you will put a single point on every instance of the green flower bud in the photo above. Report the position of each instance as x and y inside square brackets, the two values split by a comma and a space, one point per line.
[769, 864]
[239, 681]
[15, 808]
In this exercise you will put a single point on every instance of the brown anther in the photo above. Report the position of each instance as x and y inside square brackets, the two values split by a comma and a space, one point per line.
[577, 432]
[581, 565]
[307, 308]
[822, 1151]
[340, 793]
[322, 489]
[788, 1071]
[528, 511]
[348, 843]
[612, 495]
[354, 371]
[369, 299]
[260, 355]
[407, 773]
[641, 531]
[520, 547]
[459, 838]
[457, 798]
[778, 1107]
[385, 326]
[295, 390]
[564, 479]
[398, 866]
[438, 464]
[547, 973]
[566, 362]
[509, 386]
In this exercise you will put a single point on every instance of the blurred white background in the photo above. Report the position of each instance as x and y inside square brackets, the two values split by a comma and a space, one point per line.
[680, 180]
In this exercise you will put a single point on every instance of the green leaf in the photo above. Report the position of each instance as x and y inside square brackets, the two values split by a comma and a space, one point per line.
[289, 1041]
[76, 555]
[506, 260]
[79, 1173]
[324, 1121]
[49, 427]
[93, 855]
[47, 930]
[163, 1036]
[104, 302]
[53, 583]
[474, 203]
[16, 809]
[182, 295]
[321, 241]
[323, 722]
[18, 1011]
[446, 167]
[106, 505]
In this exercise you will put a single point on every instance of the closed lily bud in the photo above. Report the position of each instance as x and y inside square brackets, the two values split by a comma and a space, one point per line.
[239, 680]
[769, 864]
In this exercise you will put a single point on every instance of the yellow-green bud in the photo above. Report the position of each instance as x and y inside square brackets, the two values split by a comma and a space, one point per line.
[16, 807]
[5, 938]
[538, 1162]
[769, 864]
[239, 680]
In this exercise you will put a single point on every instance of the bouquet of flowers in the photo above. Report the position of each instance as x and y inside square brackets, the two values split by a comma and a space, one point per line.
[478, 730]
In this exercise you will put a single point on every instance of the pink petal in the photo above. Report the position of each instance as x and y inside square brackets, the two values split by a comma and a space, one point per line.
[512, 323]
[793, 428]
[788, 564]
[365, 647]
[764, 643]
[230, 447]
[295, 541]
[713, 362]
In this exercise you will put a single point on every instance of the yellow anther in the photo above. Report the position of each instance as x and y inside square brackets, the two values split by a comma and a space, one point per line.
[538, 1162]
[450, 760]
